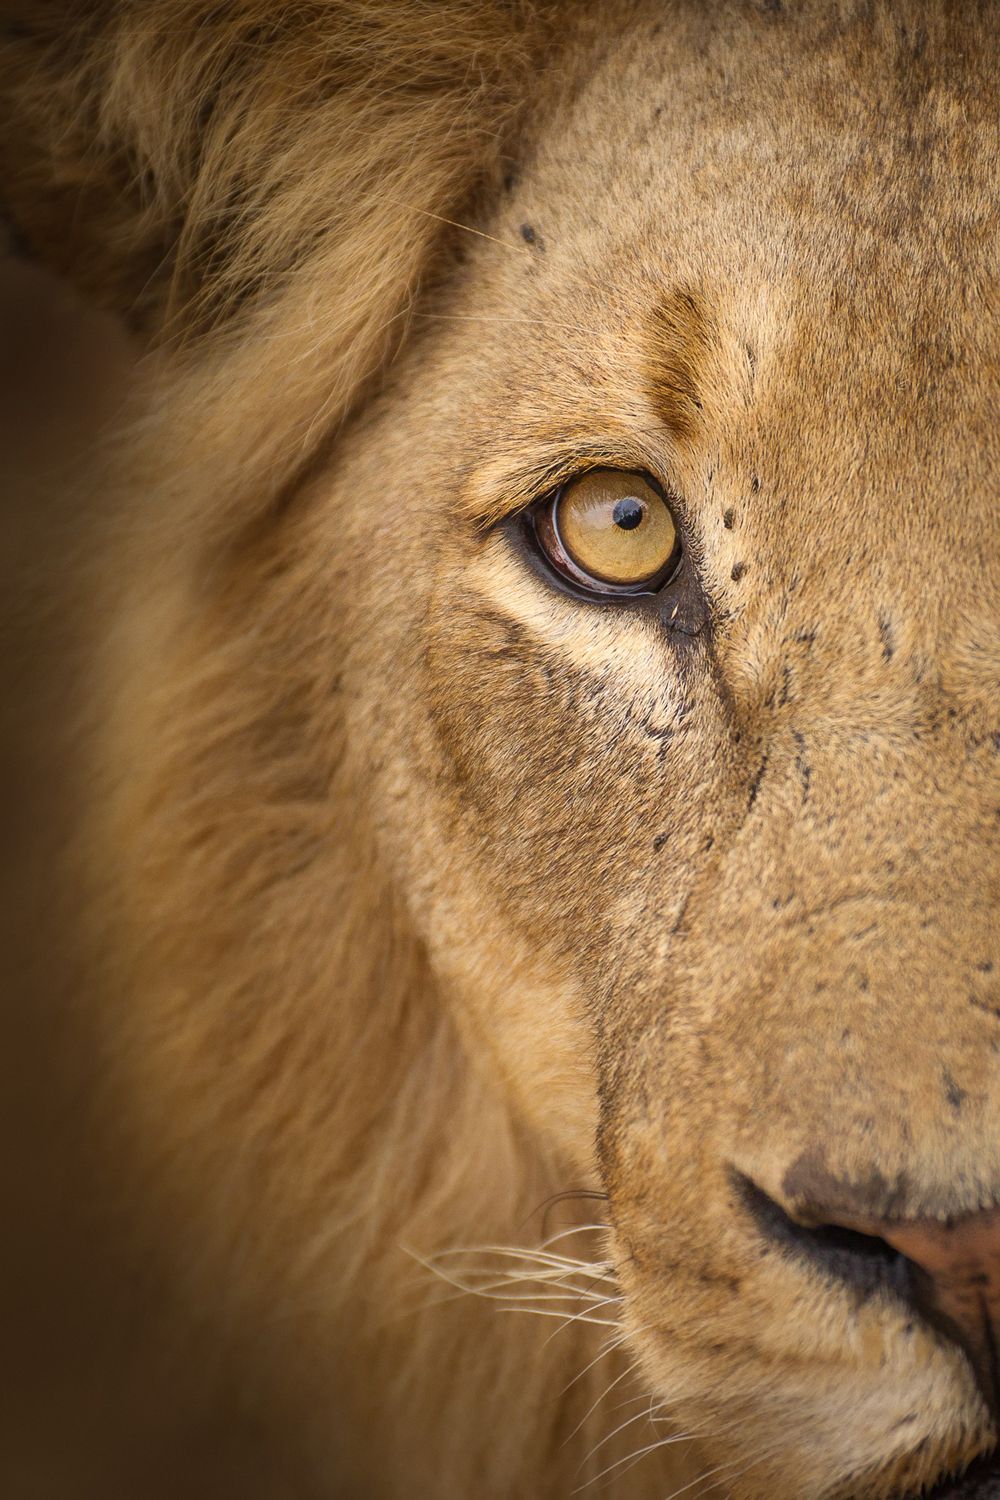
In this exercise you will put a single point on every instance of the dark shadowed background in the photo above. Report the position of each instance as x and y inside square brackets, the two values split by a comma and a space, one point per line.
[75, 1308]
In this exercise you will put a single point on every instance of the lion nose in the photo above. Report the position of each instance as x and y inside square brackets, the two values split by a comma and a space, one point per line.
[947, 1269]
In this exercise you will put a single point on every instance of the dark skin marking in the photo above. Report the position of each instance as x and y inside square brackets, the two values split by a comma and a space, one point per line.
[814, 1190]
[739, 568]
[955, 1096]
[755, 784]
[888, 638]
[663, 734]
[802, 765]
[728, 519]
[866, 1275]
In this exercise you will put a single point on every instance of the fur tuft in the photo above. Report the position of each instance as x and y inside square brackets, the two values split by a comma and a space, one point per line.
[257, 188]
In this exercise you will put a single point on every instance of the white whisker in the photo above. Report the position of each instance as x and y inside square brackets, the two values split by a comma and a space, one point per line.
[531, 1271]
[609, 1348]
[631, 1458]
[522, 1297]
[518, 1252]
[587, 1317]
[565, 1233]
[579, 1318]
[604, 1441]
[602, 1397]
[722, 1469]
[482, 1280]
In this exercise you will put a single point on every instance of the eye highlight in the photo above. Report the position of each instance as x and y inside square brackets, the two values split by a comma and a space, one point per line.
[610, 532]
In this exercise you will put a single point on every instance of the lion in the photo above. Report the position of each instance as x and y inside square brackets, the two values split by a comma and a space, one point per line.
[536, 844]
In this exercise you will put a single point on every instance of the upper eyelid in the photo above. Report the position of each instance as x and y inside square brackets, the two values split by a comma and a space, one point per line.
[527, 491]
[518, 491]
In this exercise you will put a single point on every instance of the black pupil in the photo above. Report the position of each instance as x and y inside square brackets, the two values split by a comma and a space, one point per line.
[628, 513]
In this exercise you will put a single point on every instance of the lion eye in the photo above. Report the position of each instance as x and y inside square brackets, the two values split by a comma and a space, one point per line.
[610, 532]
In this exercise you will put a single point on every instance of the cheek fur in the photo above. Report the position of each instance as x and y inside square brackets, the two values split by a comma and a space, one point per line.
[565, 736]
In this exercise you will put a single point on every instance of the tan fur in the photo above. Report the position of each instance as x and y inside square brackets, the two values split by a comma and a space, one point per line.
[418, 892]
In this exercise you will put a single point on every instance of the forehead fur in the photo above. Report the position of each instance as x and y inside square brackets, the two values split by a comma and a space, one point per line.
[741, 314]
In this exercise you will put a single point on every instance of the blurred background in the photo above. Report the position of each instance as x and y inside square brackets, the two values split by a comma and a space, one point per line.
[79, 1414]
[63, 372]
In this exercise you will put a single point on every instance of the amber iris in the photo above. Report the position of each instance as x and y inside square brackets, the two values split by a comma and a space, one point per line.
[609, 531]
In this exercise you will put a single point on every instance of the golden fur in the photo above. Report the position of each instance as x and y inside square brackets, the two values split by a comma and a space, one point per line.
[417, 893]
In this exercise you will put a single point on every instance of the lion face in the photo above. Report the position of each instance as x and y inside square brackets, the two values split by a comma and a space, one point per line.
[708, 871]
[563, 755]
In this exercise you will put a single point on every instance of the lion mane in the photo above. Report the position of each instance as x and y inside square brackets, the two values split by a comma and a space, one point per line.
[263, 193]
[443, 921]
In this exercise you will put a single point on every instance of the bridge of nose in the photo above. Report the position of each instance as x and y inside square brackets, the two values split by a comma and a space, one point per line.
[853, 1009]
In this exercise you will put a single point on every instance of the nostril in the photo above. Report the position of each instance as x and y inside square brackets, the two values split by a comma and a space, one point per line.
[865, 1262]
